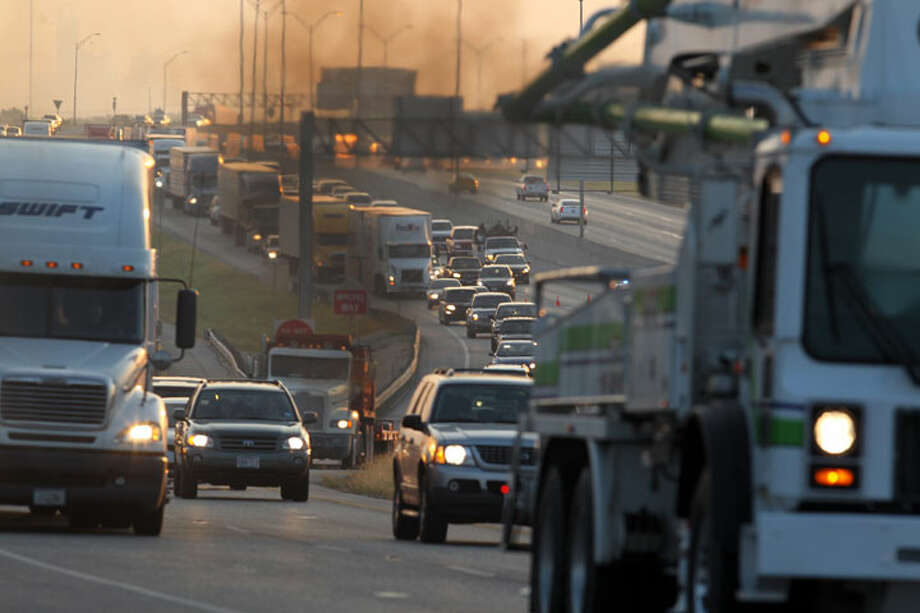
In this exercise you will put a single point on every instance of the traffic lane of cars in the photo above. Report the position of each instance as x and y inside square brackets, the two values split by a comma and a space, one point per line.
[336, 553]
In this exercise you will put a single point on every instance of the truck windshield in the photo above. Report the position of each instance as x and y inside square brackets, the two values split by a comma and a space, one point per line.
[243, 405]
[410, 251]
[502, 243]
[304, 367]
[332, 240]
[463, 234]
[91, 309]
[440, 226]
[863, 275]
[480, 403]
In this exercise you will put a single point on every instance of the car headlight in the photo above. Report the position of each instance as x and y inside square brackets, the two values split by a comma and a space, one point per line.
[450, 308]
[532, 365]
[140, 433]
[391, 279]
[433, 296]
[200, 440]
[835, 431]
[343, 424]
[475, 316]
[256, 237]
[490, 256]
[510, 283]
[526, 270]
[456, 275]
[455, 455]
[294, 443]
[158, 182]
[193, 200]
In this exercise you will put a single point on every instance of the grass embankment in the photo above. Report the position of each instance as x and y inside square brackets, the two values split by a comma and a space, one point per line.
[374, 479]
[242, 306]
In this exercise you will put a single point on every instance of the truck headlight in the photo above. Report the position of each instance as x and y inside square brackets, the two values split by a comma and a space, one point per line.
[835, 431]
[433, 296]
[450, 308]
[490, 256]
[343, 424]
[455, 455]
[200, 440]
[193, 200]
[256, 237]
[294, 443]
[456, 275]
[510, 283]
[526, 270]
[141, 433]
[475, 316]
[158, 183]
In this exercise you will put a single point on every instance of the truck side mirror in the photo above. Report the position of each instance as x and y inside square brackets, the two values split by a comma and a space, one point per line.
[309, 417]
[186, 314]
[178, 414]
[412, 422]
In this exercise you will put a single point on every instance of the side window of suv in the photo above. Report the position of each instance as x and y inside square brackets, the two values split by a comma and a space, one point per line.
[425, 407]
[416, 397]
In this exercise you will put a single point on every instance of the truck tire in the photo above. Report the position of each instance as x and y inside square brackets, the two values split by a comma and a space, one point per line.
[186, 485]
[548, 563]
[149, 523]
[432, 527]
[712, 568]
[585, 591]
[350, 459]
[405, 528]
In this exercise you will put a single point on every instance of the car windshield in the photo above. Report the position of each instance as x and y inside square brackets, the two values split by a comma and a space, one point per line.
[440, 226]
[515, 350]
[517, 327]
[511, 260]
[358, 198]
[496, 272]
[305, 367]
[410, 251]
[168, 390]
[502, 243]
[516, 310]
[864, 261]
[532, 179]
[463, 234]
[80, 308]
[479, 403]
[459, 295]
[442, 283]
[243, 405]
[488, 301]
[464, 263]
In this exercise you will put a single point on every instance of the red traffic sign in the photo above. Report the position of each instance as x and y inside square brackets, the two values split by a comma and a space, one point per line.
[350, 302]
[293, 330]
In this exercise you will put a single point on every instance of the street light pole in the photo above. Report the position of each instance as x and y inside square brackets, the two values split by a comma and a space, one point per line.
[309, 27]
[283, 68]
[264, 73]
[31, 28]
[165, 66]
[454, 110]
[76, 55]
[480, 51]
[239, 118]
[255, 53]
[581, 16]
[387, 39]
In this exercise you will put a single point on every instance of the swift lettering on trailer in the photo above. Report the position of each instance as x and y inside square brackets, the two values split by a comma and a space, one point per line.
[48, 209]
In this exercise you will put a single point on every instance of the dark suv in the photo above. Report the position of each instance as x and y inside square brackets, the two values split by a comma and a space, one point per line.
[498, 278]
[463, 268]
[454, 303]
[240, 433]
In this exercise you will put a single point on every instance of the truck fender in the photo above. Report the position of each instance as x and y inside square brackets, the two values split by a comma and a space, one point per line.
[715, 438]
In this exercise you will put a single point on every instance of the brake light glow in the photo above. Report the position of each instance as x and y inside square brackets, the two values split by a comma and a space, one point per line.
[127, 268]
[26, 263]
[76, 265]
[51, 264]
[505, 490]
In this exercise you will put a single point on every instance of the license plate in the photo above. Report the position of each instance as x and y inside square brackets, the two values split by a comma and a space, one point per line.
[49, 498]
[247, 462]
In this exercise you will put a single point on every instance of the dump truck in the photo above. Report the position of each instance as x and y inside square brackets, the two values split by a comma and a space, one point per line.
[249, 196]
[741, 427]
[193, 177]
[389, 249]
[333, 376]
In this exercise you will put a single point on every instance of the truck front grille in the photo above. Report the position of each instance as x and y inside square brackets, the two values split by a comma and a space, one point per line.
[412, 276]
[58, 402]
[907, 456]
[248, 443]
[501, 454]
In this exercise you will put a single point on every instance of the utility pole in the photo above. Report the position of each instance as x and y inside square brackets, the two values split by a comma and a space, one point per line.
[309, 28]
[454, 110]
[581, 16]
[165, 66]
[305, 271]
[255, 53]
[283, 68]
[523, 63]
[242, 104]
[76, 56]
[264, 73]
[357, 87]
[31, 32]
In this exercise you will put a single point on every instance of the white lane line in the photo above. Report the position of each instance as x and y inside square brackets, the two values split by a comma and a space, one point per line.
[128, 587]
[472, 571]
[391, 595]
[466, 350]
[333, 548]
[240, 530]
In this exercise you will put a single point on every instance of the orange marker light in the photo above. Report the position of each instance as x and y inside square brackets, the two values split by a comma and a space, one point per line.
[127, 268]
[823, 138]
[76, 265]
[26, 263]
[785, 137]
[51, 264]
[834, 477]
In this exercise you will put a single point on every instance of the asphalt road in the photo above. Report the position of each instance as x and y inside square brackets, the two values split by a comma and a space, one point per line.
[249, 551]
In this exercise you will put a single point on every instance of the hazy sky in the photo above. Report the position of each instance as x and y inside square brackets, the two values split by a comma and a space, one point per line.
[137, 37]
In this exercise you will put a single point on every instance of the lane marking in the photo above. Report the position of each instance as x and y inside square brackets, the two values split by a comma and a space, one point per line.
[240, 530]
[333, 548]
[472, 571]
[307, 517]
[391, 595]
[128, 587]
[466, 350]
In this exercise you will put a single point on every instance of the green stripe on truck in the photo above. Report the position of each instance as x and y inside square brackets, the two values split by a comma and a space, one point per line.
[546, 373]
[786, 432]
[591, 336]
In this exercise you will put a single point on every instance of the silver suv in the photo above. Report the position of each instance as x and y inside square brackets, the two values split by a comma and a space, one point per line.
[454, 452]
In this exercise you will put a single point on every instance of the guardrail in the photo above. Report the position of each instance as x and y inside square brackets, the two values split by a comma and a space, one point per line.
[227, 355]
[404, 378]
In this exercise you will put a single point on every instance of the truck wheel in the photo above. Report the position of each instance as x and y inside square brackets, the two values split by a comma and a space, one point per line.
[349, 461]
[470, 333]
[585, 591]
[547, 563]
[188, 487]
[149, 523]
[712, 571]
[432, 527]
[404, 528]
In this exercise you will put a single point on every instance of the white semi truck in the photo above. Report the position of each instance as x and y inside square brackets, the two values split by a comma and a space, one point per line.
[390, 249]
[742, 427]
[79, 429]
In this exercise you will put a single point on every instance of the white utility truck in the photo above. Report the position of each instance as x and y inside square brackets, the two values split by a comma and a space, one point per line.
[742, 427]
[390, 249]
[79, 429]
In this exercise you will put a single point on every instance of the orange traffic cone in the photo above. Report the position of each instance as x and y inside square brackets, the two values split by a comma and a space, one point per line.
[557, 301]
[589, 297]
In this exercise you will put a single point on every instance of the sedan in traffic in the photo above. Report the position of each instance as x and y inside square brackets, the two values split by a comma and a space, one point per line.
[463, 268]
[519, 265]
[512, 329]
[482, 309]
[567, 210]
[498, 278]
[454, 303]
[436, 290]
[515, 352]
